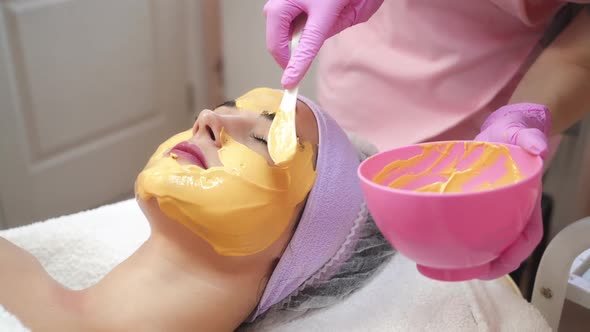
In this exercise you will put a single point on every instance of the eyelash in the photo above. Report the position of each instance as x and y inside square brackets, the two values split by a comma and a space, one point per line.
[259, 139]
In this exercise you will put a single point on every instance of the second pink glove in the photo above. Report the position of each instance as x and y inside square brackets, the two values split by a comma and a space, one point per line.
[526, 125]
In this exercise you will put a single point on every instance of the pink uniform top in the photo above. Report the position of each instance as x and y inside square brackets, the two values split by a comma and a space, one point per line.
[430, 69]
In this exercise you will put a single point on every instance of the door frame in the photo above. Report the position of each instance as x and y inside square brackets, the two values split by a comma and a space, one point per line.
[205, 56]
[2, 223]
[9, 143]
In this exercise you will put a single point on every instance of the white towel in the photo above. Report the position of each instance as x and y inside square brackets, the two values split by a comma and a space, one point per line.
[79, 249]
[9, 323]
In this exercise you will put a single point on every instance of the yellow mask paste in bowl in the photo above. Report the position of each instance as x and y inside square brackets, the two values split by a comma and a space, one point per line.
[240, 208]
[452, 168]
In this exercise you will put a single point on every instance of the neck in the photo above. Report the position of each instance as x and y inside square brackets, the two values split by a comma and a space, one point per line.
[174, 283]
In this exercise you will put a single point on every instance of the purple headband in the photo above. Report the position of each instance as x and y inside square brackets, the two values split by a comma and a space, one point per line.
[334, 205]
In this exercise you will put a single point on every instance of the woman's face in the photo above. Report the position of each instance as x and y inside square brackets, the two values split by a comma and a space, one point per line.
[218, 179]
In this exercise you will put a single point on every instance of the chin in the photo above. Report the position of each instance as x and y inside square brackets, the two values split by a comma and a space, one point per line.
[150, 207]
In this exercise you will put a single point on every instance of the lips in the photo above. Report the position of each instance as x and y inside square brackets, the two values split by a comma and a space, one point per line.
[191, 153]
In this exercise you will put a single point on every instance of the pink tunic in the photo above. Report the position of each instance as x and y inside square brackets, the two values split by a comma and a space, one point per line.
[430, 69]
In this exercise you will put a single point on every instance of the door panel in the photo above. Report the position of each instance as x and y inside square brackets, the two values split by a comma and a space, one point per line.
[73, 77]
[93, 86]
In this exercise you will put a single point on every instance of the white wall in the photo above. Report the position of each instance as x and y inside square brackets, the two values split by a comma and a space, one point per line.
[247, 63]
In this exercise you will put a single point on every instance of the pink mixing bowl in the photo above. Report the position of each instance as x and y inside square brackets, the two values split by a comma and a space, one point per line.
[452, 236]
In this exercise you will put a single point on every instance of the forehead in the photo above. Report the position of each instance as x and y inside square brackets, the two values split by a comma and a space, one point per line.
[260, 100]
[268, 100]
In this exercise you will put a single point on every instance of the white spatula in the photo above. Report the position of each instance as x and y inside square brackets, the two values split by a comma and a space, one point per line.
[282, 141]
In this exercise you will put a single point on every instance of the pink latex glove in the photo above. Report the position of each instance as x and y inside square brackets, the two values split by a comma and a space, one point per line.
[528, 126]
[521, 248]
[325, 18]
[525, 125]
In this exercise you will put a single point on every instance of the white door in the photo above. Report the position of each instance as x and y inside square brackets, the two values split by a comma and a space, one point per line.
[88, 89]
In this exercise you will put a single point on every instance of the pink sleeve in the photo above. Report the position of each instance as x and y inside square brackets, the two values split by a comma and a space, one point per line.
[533, 12]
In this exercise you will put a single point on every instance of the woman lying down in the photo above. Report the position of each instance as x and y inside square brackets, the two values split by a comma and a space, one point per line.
[234, 242]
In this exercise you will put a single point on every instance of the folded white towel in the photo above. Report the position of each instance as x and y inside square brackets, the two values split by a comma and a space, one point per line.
[79, 249]
[9, 323]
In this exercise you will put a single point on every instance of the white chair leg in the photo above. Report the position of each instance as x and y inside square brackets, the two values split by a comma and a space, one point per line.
[551, 282]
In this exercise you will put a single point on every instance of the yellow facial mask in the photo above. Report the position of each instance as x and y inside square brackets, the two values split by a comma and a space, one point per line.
[240, 208]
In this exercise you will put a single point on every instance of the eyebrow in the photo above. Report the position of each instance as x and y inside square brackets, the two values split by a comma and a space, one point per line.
[232, 103]
[229, 103]
[268, 115]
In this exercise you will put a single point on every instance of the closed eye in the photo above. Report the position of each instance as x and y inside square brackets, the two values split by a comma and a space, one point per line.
[259, 139]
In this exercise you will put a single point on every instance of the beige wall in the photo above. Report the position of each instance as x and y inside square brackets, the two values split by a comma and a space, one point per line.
[247, 63]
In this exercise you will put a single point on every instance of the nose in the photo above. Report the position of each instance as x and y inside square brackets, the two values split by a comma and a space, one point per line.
[209, 125]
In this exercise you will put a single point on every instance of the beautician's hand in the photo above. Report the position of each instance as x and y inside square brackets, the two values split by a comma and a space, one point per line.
[525, 125]
[325, 18]
[520, 249]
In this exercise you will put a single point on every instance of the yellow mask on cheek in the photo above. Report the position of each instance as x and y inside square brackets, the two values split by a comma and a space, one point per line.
[240, 208]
